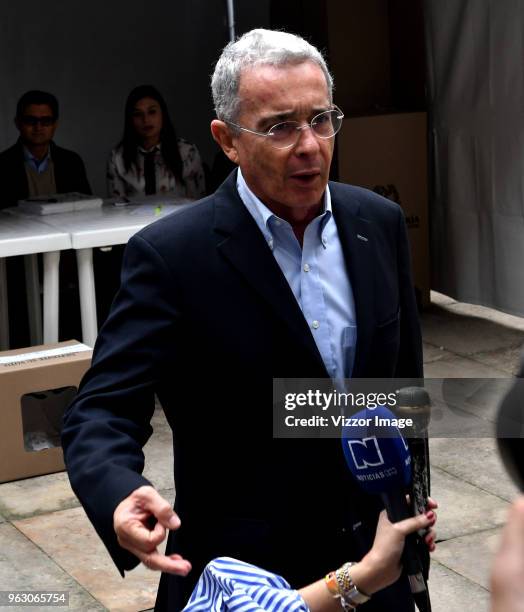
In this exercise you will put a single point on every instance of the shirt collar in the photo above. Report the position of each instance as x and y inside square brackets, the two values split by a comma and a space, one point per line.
[154, 148]
[263, 215]
[28, 156]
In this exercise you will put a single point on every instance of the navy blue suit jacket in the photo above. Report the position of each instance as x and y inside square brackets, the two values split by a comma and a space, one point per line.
[205, 319]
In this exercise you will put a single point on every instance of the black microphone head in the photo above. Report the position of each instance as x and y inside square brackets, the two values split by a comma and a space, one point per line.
[414, 403]
[413, 397]
[512, 456]
[510, 431]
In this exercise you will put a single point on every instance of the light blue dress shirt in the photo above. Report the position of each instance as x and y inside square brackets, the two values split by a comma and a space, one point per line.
[316, 273]
[38, 165]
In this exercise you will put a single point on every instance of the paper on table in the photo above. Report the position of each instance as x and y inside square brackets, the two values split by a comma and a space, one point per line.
[59, 202]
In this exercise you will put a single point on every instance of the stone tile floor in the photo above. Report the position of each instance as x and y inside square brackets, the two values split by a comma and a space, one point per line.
[46, 542]
[468, 479]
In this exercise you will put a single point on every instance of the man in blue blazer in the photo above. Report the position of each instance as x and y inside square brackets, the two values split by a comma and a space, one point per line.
[278, 274]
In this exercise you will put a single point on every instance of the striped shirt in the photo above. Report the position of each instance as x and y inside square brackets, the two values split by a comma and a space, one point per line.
[229, 585]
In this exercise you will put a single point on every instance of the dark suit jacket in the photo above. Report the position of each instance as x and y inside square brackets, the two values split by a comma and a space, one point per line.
[206, 319]
[70, 173]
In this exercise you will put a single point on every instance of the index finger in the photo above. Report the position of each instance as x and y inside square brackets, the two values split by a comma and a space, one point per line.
[149, 499]
[412, 524]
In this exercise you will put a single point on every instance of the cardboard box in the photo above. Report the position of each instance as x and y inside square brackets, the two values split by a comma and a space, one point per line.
[376, 51]
[36, 386]
[388, 154]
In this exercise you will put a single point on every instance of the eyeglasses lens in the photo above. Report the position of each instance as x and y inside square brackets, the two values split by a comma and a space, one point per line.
[325, 125]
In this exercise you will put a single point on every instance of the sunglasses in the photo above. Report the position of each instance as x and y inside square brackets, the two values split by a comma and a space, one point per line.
[44, 121]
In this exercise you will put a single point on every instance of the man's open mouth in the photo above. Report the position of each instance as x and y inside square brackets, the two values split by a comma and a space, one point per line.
[306, 177]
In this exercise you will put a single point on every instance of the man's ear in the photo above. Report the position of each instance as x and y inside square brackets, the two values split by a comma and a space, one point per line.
[222, 136]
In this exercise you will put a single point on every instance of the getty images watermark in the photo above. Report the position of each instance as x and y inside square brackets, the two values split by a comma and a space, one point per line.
[446, 408]
[316, 399]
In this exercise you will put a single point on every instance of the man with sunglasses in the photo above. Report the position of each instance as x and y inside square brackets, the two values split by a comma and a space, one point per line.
[35, 165]
[278, 274]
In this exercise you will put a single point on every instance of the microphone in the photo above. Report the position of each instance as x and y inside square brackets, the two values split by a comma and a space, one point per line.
[414, 403]
[510, 430]
[378, 457]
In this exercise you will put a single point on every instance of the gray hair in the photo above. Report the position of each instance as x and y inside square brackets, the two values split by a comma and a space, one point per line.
[258, 47]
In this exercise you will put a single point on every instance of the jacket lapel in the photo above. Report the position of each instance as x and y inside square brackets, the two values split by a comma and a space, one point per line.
[19, 173]
[358, 245]
[242, 243]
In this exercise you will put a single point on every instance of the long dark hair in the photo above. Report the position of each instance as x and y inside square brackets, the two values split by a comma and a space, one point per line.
[168, 138]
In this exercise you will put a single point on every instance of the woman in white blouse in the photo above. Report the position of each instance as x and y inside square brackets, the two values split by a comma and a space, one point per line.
[150, 159]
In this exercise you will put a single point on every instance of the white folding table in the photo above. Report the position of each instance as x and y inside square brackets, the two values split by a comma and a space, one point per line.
[20, 235]
[107, 226]
[25, 234]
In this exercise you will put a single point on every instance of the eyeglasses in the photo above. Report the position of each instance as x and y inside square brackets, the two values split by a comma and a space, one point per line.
[44, 121]
[286, 134]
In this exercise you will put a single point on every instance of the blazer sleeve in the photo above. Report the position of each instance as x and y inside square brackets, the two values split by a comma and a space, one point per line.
[192, 170]
[12, 177]
[115, 182]
[83, 182]
[409, 362]
[108, 423]
[70, 171]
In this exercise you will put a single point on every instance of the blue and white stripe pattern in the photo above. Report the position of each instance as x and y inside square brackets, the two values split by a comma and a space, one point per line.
[229, 585]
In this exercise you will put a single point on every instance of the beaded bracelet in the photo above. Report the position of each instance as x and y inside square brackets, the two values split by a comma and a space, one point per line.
[333, 588]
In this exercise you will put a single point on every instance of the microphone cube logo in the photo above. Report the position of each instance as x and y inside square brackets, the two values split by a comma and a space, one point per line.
[365, 453]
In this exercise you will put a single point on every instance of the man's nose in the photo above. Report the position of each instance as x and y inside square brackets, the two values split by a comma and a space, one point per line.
[307, 141]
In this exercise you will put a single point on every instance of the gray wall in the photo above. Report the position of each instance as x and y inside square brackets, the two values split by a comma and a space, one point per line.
[91, 54]
[476, 88]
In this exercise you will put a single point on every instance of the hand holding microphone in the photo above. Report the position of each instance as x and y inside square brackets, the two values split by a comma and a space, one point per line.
[379, 459]
[382, 566]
